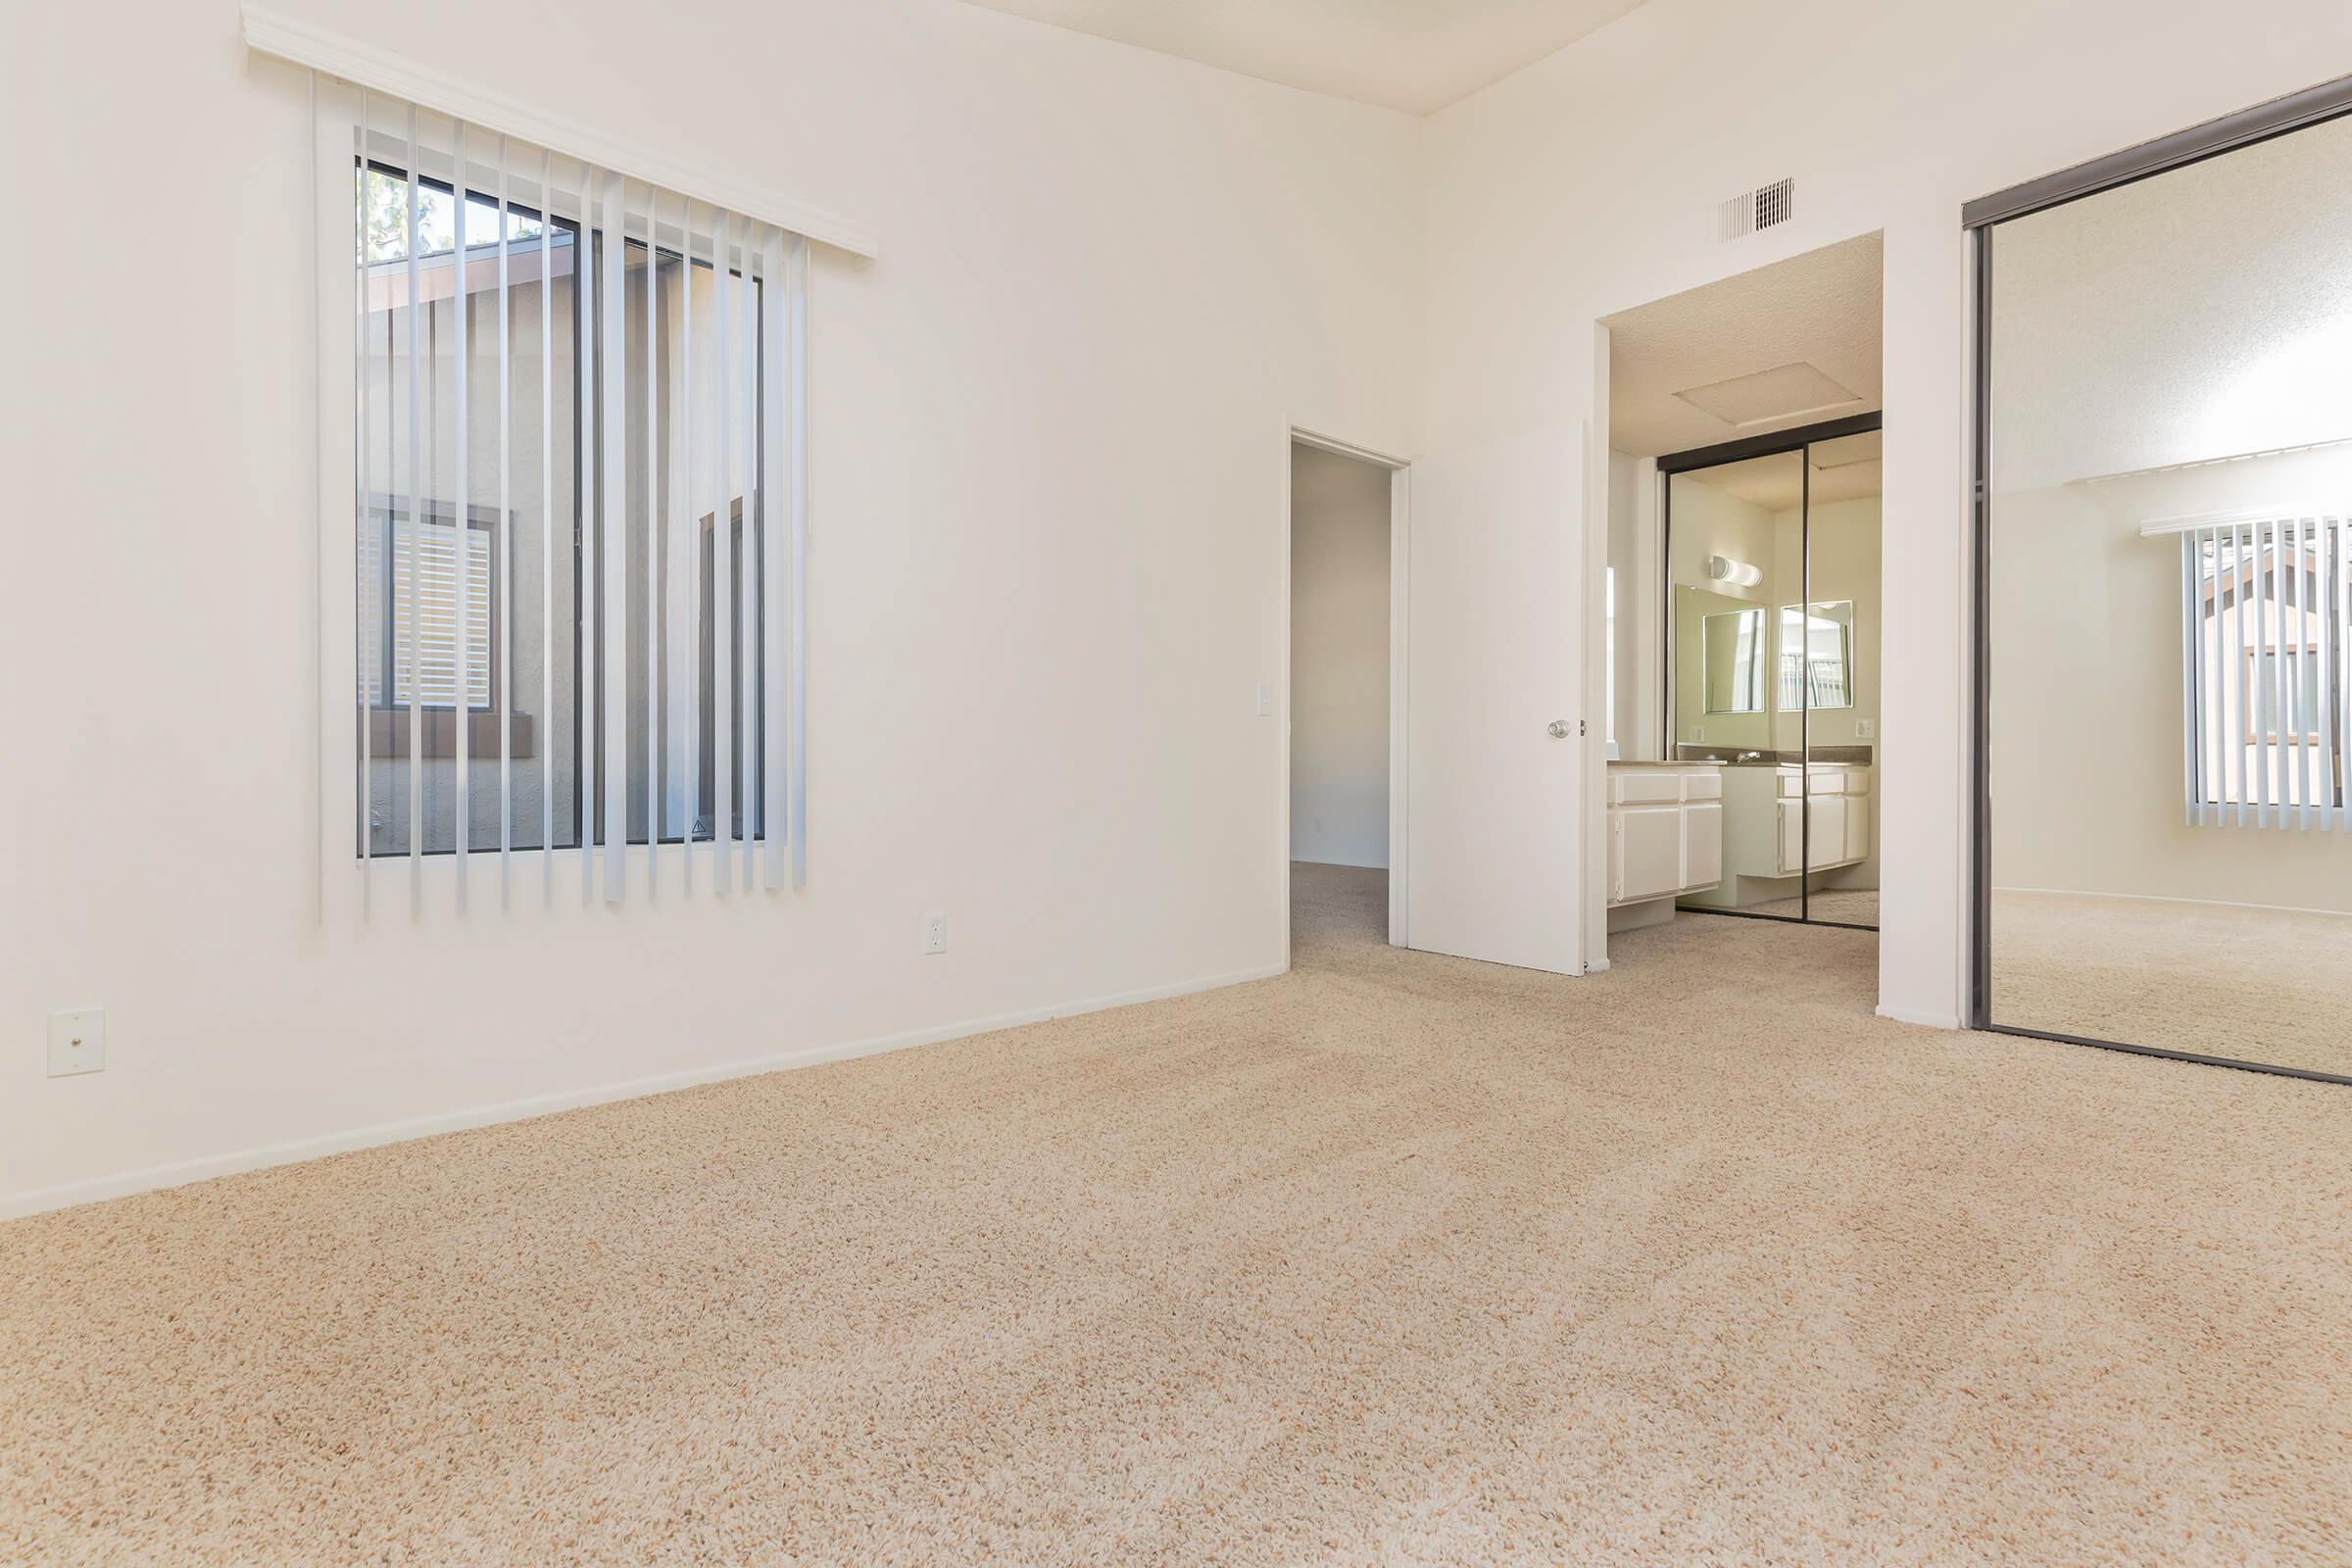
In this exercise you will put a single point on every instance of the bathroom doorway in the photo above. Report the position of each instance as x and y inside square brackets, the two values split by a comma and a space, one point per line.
[1742, 620]
[1342, 693]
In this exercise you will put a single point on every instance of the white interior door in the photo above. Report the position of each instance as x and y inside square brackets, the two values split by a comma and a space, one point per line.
[1495, 798]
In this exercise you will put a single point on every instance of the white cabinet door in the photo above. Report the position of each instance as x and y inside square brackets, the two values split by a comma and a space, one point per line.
[1651, 838]
[1857, 827]
[1703, 844]
[1826, 833]
[1792, 837]
[1496, 802]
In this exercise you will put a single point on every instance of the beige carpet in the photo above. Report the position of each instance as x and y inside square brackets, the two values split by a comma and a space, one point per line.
[2252, 985]
[1392, 1260]
[1829, 906]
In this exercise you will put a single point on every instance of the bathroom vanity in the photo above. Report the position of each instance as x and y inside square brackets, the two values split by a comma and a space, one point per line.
[1782, 819]
[1665, 835]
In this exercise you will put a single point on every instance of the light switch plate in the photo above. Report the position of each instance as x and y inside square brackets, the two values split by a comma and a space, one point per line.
[1865, 729]
[76, 1041]
[1266, 700]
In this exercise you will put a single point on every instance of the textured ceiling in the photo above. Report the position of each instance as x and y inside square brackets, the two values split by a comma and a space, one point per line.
[2201, 315]
[1415, 55]
[1843, 469]
[1820, 309]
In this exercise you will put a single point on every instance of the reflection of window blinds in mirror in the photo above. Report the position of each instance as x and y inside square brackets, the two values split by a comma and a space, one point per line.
[2265, 639]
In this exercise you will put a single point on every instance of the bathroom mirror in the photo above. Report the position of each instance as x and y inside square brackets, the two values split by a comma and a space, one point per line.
[1731, 647]
[1817, 656]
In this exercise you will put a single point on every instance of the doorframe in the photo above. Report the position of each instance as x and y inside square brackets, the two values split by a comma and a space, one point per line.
[1401, 519]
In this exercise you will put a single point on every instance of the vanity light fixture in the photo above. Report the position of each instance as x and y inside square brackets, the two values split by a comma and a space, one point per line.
[1738, 573]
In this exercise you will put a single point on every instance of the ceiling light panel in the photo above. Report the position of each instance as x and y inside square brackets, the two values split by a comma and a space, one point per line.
[1779, 393]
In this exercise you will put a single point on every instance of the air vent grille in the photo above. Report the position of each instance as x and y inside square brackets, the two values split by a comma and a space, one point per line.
[1767, 207]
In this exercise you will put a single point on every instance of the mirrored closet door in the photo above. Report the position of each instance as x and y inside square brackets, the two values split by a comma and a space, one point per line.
[1772, 555]
[2164, 644]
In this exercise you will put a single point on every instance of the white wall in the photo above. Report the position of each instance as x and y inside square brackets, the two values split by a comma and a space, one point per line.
[1049, 431]
[1888, 117]
[1339, 660]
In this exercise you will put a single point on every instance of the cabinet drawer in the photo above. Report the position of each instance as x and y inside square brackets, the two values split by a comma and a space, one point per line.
[1825, 781]
[1644, 788]
[1706, 786]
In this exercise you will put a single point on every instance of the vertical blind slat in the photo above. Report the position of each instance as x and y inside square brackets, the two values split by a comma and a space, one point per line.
[460, 524]
[775, 551]
[2192, 805]
[2234, 667]
[2213, 743]
[415, 309]
[614, 546]
[363, 579]
[2338, 690]
[2299, 720]
[653, 545]
[501, 618]
[798, 743]
[583, 293]
[2323, 696]
[2264, 689]
[691, 559]
[547, 524]
[746, 662]
[722, 580]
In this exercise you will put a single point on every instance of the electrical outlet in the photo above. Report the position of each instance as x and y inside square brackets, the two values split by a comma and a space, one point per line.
[935, 934]
[1865, 729]
[76, 1041]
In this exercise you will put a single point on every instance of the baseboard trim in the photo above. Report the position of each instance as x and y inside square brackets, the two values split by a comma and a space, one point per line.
[153, 1178]
[1920, 1017]
[2167, 898]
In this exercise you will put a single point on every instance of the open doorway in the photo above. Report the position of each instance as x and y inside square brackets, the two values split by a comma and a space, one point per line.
[1743, 586]
[1344, 743]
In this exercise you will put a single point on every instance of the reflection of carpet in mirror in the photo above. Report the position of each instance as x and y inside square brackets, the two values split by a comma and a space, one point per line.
[1838, 905]
[2257, 985]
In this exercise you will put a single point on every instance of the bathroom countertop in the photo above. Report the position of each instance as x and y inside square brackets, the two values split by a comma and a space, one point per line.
[1738, 756]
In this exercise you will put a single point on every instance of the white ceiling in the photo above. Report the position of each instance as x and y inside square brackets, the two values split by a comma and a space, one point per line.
[1415, 55]
[1787, 336]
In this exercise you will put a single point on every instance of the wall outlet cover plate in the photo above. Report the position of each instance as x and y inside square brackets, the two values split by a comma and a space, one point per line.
[76, 1041]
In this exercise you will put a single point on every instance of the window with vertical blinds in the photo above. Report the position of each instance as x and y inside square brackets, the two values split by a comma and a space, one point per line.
[579, 515]
[2266, 635]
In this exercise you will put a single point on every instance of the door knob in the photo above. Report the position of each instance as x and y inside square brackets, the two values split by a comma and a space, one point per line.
[1557, 729]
